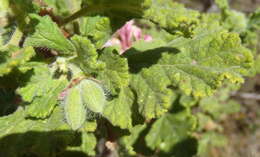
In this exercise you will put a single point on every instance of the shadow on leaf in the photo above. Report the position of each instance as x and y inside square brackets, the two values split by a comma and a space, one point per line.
[40, 144]
[138, 59]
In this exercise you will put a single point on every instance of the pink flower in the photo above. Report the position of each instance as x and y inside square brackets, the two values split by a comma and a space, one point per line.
[126, 36]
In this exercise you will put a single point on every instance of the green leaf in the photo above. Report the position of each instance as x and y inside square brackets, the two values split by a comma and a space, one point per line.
[115, 75]
[118, 9]
[64, 7]
[42, 106]
[34, 136]
[118, 111]
[96, 28]
[41, 91]
[89, 142]
[14, 57]
[219, 104]
[169, 130]
[128, 141]
[89, 126]
[210, 139]
[74, 109]
[254, 20]
[174, 17]
[202, 65]
[47, 34]
[93, 95]
[21, 9]
[86, 55]
[153, 96]
[222, 4]
[39, 83]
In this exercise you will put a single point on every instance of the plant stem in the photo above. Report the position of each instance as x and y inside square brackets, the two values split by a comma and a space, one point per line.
[81, 12]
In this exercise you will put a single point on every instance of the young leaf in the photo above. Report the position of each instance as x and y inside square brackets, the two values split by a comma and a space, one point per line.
[75, 112]
[169, 130]
[14, 58]
[93, 95]
[48, 34]
[118, 111]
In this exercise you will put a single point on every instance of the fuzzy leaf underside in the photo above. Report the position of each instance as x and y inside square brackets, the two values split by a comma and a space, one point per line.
[47, 34]
[15, 59]
[93, 95]
[74, 108]
[169, 130]
[118, 111]
[198, 69]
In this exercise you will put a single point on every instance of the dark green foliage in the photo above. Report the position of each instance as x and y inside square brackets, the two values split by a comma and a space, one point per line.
[79, 97]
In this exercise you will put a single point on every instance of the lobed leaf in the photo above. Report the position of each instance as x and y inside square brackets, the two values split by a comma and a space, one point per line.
[42, 106]
[13, 58]
[169, 130]
[38, 84]
[97, 29]
[115, 75]
[48, 34]
[86, 55]
[119, 110]
[197, 67]
[174, 17]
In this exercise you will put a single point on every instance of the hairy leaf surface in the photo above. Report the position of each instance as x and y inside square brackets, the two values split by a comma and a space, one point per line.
[86, 55]
[199, 68]
[118, 111]
[47, 34]
[96, 28]
[115, 74]
[74, 109]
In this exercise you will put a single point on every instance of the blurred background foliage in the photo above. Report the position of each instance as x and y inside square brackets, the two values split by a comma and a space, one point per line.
[242, 129]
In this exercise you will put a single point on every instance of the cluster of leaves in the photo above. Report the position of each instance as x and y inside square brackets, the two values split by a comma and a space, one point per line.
[64, 93]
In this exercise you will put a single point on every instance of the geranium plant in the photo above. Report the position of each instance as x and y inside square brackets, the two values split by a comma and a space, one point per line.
[119, 77]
